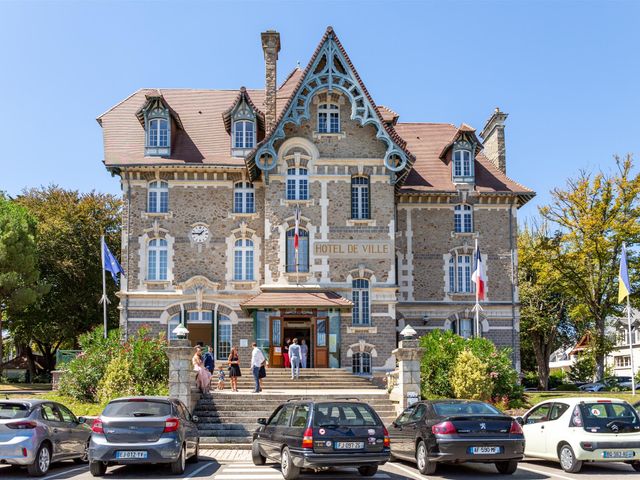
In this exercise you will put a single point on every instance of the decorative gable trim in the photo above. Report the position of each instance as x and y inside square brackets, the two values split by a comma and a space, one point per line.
[242, 108]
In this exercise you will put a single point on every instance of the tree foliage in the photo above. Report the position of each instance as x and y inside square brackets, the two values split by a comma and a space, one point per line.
[470, 377]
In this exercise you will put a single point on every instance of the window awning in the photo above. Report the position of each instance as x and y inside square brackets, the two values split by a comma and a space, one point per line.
[297, 299]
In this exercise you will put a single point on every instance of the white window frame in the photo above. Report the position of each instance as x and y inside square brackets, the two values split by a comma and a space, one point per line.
[157, 246]
[622, 361]
[155, 132]
[462, 163]
[297, 183]
[158, 197]
[361, 297]
[303, 251]
[243, 256]
[360, 197]
[223, 321]
[463, 218]
[466, 331]
[244, 198]
[327, 113]
[247, 139]
[460, 270]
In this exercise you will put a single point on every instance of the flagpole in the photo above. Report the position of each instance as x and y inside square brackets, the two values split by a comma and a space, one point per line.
[633, 373]
[477, 307]
[104, 286]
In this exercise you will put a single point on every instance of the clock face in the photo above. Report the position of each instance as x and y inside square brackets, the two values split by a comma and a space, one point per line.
[199, 234]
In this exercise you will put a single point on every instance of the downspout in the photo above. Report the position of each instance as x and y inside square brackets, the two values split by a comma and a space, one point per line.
[126, 299]
[214, 340]
[513, 288]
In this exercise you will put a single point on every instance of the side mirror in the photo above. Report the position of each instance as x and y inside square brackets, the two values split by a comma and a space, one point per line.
[395, 424]
[262, 421]
[195, 419]
[519, 420]
[82, 420]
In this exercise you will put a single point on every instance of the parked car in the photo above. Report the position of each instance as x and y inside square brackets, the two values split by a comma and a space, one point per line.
[317, 435]
[575, 430]
[621, 383]
[139, 430]
[36, 433]
[457, 431]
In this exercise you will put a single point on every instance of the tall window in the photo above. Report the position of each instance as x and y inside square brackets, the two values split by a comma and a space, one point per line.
[463, 327]
[328, 118]
[297, 184]
[243, 260]
[243, 134]
[361, 362]
[303, 251]
[158, 135]
[171, 325]
[360, 197]
[360, 295]
[460, 274]
[243, 198]
[462, 166]
[463, 218]
[157, 259]
[158, 197]
[224, 340]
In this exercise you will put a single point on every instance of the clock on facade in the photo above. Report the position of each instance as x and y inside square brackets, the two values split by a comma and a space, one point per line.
[199, 234]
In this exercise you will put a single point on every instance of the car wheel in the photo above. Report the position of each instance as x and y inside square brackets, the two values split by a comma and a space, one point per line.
[289, 470]
[256, 456]
[636, 466]
[97, 469]
[177, 467]
[41, 464]
[85, 455]
[508, 467]
[368, 471]
[568, 460]
[195, 457]
[425, 467]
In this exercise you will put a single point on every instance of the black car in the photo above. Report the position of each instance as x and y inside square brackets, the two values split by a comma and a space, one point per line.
[304, 434]
[457, 431]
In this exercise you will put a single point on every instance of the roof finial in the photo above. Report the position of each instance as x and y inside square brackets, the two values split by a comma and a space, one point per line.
[298, 64]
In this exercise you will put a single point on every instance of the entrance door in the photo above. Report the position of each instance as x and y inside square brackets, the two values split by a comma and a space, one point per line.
[275, 342]
[321, 347]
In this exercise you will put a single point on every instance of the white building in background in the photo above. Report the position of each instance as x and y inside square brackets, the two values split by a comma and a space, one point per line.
[619, 360]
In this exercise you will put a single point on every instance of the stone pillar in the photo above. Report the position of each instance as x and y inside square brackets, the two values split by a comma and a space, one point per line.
[270, 47]
[493, 140]
[408, 355]
[182, 378]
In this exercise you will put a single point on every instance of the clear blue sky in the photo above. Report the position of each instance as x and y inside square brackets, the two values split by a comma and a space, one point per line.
[566, 72]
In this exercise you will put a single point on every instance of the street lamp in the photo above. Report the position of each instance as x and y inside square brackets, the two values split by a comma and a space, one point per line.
[408, 332]
[181, 331]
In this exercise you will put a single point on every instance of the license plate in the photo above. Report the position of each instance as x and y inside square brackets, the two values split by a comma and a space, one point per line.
[126, 454]
[618, 454]
[484, 450]
[349, 445]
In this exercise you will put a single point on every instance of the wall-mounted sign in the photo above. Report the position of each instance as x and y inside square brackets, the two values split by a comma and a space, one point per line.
[244, 342]
[353, 248]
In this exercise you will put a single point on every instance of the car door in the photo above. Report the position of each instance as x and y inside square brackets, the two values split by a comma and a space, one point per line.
[534, 430]
[555, 429]
[77, 435]
[58, 433]
[414, 428]
[281, 428]
[266, 434]
[399, 435]
[190, 429]
[299, 420]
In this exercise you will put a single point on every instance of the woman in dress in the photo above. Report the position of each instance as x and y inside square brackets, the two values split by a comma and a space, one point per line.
[285, 353]
[234, 368]
[203, 377]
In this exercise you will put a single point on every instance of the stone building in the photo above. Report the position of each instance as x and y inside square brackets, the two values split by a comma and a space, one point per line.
[388, 215]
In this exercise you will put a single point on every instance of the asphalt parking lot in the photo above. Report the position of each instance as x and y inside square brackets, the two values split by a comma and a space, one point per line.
[208, 467]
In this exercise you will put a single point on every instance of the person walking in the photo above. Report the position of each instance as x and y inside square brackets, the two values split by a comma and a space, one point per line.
[257, 361]
[294, 356]
[304, 350]
[234, 369]
[209, 362]
[203, 377]
[285, 353]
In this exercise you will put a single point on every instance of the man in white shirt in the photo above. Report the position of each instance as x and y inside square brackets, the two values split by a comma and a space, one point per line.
[257, 359]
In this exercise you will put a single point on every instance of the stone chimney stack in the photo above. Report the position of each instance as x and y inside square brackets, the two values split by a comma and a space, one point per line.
[270, 47]
[493, 140]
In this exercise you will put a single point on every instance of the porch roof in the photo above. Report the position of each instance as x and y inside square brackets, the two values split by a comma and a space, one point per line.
[295, 299]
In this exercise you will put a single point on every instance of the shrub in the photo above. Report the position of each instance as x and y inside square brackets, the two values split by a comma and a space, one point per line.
[567, 387]
[117, 381]
[584, 369]
[557, 378]
[470, 377]
[530, 380]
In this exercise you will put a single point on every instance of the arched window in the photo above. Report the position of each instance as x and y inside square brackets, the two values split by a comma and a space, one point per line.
[460, 274]
[360, 296]
[303, 251]
[462, 163]
[328, 118]
[360, 197]
[157, 259]
[463, 219]
[361, 363]
[297, 184]
[463, 327]
[158, 197]
[243, 198]
[243, 260]
[158, 135]
[243, 135]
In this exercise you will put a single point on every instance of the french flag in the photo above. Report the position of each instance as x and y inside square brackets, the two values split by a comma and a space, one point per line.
[296, 230]
[478, 275]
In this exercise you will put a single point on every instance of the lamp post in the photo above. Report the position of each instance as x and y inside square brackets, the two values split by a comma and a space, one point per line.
[408, 332]
[181, 331]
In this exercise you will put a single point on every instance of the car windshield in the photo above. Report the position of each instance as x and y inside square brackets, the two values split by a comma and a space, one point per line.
[137, 408]
[343, 414]
[13, 410]
[446, 409]
[608, 416]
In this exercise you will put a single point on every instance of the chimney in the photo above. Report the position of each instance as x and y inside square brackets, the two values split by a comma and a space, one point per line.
[493, 140]
[270, 47]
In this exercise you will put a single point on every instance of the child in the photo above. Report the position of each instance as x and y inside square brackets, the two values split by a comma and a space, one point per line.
[220, 378]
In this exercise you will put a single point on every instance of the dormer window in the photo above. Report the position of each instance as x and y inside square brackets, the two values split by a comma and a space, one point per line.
[328, 118]
[158, 135]
[158, 121]
[462, 163]
[243, 134]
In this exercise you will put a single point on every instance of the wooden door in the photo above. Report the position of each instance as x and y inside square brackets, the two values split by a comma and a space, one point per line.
[321, 342]
[276, 326]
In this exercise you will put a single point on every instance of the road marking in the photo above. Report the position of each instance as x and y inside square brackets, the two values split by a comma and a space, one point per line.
[198, 470]
[406, 470]
[64, 473]
[542, 472]
[244, 476]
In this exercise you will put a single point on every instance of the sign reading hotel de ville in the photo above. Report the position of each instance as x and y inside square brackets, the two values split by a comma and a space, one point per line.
[353, 248]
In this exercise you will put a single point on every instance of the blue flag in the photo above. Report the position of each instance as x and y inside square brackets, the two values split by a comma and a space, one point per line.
[110, 263]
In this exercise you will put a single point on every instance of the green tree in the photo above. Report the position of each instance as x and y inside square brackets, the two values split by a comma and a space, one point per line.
[68, 250]
[470, 377]
[594, 215]
[544, 322]
[18, 262]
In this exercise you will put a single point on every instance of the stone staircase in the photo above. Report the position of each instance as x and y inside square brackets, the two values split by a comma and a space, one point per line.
[229, 418]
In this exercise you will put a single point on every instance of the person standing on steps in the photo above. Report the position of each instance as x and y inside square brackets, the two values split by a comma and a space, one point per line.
[285, 353]
[304, 350]
[234, 369]
[257, 359]
[203, 377]
[294, 356]
[209, 363]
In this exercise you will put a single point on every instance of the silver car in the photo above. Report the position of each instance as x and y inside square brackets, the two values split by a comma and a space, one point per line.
[35, 433]
[137, 430]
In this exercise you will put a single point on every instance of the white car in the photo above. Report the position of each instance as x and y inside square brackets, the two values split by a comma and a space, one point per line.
[577, 430]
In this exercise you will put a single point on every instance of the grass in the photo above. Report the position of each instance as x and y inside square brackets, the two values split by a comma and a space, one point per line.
[78, 407]
[533, 398]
